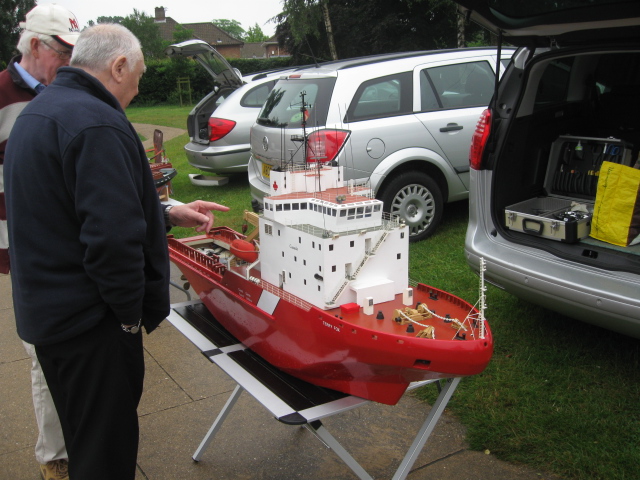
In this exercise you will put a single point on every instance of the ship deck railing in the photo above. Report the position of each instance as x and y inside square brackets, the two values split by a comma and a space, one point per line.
[283, 294]
[389, 222]
[355, 187]
[196, 259]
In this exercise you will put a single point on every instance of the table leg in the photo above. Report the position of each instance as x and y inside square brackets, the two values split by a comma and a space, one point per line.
[427, 428]
[218, 423]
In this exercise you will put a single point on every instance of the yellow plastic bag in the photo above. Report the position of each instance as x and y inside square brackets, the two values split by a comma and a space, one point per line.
[616, 213]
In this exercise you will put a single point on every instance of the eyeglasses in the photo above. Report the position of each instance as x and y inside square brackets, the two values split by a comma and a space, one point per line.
[62, 54]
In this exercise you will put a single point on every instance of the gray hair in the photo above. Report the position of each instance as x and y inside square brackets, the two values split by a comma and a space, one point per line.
[98, 46]
[24, 44]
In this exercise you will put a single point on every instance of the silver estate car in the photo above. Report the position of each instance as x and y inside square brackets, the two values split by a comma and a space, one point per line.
[219, 124]
[568, 102]
[402, 122]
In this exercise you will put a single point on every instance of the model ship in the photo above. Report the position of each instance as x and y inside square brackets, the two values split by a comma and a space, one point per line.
[324, 294]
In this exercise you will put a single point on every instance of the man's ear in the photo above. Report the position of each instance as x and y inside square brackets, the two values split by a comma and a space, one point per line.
[35, 47]
[118, 68]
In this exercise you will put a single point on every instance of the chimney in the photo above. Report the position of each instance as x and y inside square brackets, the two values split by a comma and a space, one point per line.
[160, 18]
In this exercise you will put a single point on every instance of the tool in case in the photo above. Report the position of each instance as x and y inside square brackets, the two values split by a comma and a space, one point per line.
[570, 183]
[574, 164]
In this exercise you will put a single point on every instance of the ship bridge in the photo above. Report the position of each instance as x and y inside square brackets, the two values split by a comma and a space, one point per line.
[335, 209]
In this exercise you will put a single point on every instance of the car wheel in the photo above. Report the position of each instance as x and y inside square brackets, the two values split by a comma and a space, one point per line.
[416, 198]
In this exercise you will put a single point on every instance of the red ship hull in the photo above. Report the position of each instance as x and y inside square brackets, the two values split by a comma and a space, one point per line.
[339, 349]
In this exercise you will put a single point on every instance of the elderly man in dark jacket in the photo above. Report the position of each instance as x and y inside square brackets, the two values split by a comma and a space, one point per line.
[88, 249]
[47, 39]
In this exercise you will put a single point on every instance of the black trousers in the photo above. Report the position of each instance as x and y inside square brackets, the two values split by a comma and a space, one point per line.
[96, 383]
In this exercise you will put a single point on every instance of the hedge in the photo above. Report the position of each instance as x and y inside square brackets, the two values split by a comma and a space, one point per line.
[159, 85]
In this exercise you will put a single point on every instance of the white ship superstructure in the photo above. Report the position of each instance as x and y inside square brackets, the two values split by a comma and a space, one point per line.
[330, 244]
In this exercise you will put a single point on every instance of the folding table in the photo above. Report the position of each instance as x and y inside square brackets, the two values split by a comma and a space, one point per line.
[290, 400]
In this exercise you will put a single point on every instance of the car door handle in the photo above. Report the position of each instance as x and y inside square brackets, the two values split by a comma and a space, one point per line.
[451, 127]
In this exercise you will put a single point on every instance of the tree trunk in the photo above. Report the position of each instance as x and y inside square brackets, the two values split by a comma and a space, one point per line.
[327, 23]
[461, 42]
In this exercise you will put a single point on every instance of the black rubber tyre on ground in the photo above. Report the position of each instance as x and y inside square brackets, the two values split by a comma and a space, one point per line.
[417, 199]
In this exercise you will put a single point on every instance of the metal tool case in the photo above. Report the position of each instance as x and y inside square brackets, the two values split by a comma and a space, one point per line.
[572, 178]
[549, 217]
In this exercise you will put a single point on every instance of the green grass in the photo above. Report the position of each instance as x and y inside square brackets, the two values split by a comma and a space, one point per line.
[168, 116]
[559, 395]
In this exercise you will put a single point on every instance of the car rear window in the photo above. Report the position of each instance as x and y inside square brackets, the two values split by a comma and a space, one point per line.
[284, 106]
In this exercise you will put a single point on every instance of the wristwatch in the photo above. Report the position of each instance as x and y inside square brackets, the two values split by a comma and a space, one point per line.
[131, 328]
[167, 221]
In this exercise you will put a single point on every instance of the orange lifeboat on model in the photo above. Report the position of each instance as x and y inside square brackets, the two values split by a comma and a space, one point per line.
[244, 250]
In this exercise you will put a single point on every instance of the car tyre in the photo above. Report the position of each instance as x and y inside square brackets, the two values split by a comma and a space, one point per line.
[417, 199]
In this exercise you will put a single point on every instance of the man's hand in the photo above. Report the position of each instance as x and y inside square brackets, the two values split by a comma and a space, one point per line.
[195, 214]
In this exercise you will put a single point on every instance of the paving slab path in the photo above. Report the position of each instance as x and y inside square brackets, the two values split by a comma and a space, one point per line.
[184, 392]
[146, 130]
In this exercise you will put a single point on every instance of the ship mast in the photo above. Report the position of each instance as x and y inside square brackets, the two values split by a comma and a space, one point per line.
[303, 112]
[483, 306]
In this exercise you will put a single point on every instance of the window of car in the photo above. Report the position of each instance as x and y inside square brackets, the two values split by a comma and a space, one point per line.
[382, 97]
[459, 85]
[219, 97]
[283, 107]
[256, 96]
[554, 82]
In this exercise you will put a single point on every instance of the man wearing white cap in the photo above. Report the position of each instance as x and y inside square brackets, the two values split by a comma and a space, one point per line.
[50, 32]
[97, 274]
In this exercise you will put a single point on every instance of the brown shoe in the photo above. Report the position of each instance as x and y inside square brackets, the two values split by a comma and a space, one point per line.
[55, 470]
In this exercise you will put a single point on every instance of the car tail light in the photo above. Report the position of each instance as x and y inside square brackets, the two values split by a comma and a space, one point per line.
[219, 127]
[324, 145]
[479, 140]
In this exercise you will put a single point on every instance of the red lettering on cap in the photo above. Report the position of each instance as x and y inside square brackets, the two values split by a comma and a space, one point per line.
[74, 25]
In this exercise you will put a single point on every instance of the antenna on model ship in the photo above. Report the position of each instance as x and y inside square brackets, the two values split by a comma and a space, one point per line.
[304, 112]
[482, 306]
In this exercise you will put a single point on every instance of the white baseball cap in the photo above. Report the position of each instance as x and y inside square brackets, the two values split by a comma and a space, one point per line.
[53, 20]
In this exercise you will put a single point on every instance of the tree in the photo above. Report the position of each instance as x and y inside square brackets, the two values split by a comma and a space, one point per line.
[12, 12]
[303, 18]
[366, 28]
[232, 27]
[110, 19]
[181, 34]
[255, 34]
[144, 27]
[182, 64]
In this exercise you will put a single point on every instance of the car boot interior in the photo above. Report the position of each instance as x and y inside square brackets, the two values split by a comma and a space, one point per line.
[577, 110]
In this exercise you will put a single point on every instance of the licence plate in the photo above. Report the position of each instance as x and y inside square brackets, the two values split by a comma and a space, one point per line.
[266, 170]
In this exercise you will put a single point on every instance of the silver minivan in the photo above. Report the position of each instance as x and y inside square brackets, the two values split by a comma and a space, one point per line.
[402, 122]
[568, 102]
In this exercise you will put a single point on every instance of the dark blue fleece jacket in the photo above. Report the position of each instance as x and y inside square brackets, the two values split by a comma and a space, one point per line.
[86, 231]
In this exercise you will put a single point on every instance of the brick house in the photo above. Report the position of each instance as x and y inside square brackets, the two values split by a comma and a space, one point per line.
[224, 43]
[265, 49]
